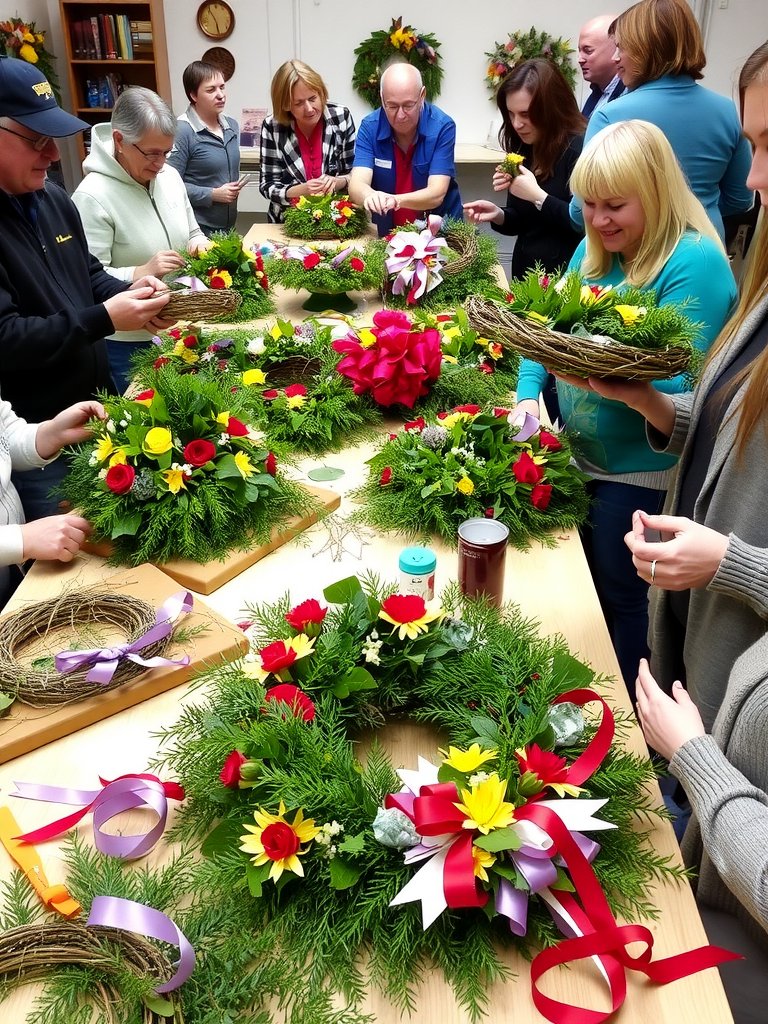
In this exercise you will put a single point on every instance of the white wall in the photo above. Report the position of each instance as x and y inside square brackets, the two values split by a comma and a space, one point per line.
[324, 33]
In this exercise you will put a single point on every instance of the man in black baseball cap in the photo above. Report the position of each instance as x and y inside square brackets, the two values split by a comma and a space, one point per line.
[57, 303]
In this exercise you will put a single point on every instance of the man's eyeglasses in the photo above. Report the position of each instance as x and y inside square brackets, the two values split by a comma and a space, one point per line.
[153, 154]
[38, 144]
[407, 108]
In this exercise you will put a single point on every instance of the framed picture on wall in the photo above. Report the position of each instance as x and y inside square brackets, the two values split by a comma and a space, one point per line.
[251, 120]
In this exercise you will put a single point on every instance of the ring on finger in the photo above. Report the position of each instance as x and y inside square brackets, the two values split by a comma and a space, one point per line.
[653, 572]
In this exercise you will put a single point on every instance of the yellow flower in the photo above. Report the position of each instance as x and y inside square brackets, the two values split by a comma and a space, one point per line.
[174, 478]
[302, 645]
[465, 486]
[485, 806]
[408, 614]
[401, 37]
[188, 355]
[254, 377]
[468, 760]
[450, 359]
[532, 315]
[28, 54]
[303, 201]
[630, 314]
[482, 859]
[275, 331]
[28, 37]
[367, 338]
[219, 278]
[455, 417]
[495, 350]
[346, 211]
[223, 419]
[104, 447]
[158, 441]
[483, 342]
[244, 465]
[317, 214]
[120, 458]
[452, 332]
[296, 401]
[275, 839]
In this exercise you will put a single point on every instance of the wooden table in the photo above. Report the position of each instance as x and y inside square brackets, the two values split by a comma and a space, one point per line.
[551, 585]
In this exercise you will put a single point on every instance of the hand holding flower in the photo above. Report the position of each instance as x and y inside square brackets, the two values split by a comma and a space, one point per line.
[667, 722]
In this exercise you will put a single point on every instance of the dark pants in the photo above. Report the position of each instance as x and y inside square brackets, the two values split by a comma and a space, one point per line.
[120, 355]
[623, 595]
[745, 981]
[35, 487]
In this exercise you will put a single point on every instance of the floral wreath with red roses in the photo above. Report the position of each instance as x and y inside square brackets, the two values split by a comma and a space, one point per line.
[466, 462]
[334, 216]
[176, 472]
[311, 856]
[331, 270]
[226, 263]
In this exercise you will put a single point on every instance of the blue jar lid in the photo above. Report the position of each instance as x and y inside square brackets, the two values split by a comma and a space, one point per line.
[417, 561]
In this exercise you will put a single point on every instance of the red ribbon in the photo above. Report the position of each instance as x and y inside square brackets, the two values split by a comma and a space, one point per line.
[606, 938]
[434, 813]
[590, 759]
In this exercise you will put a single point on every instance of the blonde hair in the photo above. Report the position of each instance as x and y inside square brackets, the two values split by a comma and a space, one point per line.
[634, 158]
[753, 289]
[283, 83]
[660, 37]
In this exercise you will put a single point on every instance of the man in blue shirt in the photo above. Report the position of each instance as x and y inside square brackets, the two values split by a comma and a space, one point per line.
[404, 166]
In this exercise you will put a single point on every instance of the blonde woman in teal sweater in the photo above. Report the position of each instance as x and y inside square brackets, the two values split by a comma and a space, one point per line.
[644, 227]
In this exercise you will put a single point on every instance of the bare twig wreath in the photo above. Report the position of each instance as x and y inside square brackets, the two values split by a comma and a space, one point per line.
[213, 304]
[42, 685]
[464, 245]
[569, 353]
[30, 952]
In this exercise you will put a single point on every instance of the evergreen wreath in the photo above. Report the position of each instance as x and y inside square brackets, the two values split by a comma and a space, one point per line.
[303, 850]
[458, 364]
[175, 473]
[461, 277]
[528, 45]
[433, 475]
[227, 264]
[334, 216]
[327, 270]
[285, 376]
[404, 43]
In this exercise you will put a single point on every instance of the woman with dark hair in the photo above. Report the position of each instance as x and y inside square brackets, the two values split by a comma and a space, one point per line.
[660, 58]
[307, 143]
[542, 122]
[207, 149]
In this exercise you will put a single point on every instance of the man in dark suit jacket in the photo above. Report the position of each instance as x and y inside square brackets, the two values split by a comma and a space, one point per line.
[596, 50]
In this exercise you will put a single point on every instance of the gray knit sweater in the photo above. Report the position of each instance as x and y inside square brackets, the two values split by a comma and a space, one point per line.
[731, 613]
[726, 778]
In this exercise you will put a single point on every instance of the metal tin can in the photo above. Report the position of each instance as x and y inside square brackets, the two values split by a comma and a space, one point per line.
[417, 572]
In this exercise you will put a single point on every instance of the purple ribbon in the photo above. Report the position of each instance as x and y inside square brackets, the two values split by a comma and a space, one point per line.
[106, 659]
[528, 427]
[415, 260]
[122, 794]
[113, 912]
[192, 284]
[512, 903]
[339, 258]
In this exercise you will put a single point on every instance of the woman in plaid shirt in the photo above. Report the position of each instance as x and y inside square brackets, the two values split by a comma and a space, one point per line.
[308, 144]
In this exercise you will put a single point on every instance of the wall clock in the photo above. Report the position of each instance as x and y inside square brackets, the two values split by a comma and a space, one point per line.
[215, 19]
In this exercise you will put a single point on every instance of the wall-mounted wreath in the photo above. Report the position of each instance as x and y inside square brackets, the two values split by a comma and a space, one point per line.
[522, 46]
[405, 43]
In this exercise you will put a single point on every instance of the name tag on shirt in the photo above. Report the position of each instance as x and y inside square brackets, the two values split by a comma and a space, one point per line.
[386, 164]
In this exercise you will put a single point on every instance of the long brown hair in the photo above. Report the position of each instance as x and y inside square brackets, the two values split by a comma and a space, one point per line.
[754, 405]
[553, 111]
[661, 37]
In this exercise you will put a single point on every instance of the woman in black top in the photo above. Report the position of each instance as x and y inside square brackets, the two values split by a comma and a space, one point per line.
[541, 122]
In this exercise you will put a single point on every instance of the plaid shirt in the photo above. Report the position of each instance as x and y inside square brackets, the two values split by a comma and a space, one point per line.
[281, 163]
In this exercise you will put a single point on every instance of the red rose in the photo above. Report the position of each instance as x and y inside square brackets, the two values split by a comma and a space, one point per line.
[386, 476]
[197, 453]
[190, 341]
[269, 395]
[442, 415]
[236, 428]
[356, 263]
[489, 513]
[487, 368]
[499, 411]
[174, 333]
[295, 389]
[279, 840]
[305, 616]
[270, 464]
[276, 656]
[230, 773]
[217, 282]
[160, 361]
[541, 495]
[311, 260]
[418, 424]
[473, 410]
[551, 441]
[295, 698]
[393, 437]
[119, 479]
[526, 471]
[145, 396]
[509, 297]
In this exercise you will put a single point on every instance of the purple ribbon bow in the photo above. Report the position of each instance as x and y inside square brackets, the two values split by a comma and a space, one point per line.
[415, 260]
[106, 659]
[192, 284]
[113, 912]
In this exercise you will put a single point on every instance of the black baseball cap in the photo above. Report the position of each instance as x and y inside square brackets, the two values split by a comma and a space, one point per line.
[26, 96]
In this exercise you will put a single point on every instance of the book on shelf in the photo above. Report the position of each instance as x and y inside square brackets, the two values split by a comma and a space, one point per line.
[96, 37]
[141, 38]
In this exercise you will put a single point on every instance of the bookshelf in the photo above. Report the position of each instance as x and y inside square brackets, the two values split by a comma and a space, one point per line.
[109, 44]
